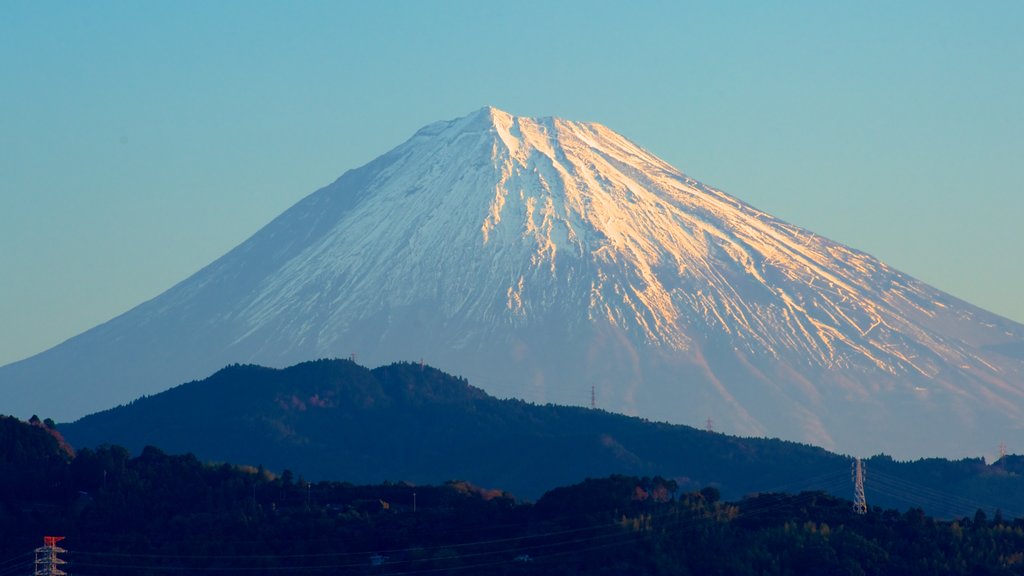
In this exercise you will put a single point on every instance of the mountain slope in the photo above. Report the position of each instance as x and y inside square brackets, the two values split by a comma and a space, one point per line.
[337, 420]
[540, 258]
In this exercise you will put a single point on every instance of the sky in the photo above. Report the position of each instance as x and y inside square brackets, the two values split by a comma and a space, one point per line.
[139, 141]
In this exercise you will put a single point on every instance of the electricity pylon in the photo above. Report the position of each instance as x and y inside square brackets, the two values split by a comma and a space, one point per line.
[48, 560]
[860, 502]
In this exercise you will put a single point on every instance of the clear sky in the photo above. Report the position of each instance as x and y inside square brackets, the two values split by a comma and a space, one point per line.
[139, 141]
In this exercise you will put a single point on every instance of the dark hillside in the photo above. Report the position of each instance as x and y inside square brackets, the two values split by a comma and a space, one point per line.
[334, 419]
[158, 514]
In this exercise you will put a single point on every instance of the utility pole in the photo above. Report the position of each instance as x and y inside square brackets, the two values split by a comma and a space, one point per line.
[48, 560]
[860, 502]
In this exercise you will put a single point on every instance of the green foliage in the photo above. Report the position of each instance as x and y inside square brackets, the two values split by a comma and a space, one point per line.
[21, 442]
[159, 513]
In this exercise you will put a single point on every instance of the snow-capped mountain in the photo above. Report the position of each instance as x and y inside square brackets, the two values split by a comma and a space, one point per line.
[542, 258]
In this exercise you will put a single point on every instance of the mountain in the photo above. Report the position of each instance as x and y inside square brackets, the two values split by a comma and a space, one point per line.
[334, 419]
[545, 259]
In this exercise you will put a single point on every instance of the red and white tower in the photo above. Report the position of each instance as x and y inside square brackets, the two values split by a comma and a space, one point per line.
[48, 560]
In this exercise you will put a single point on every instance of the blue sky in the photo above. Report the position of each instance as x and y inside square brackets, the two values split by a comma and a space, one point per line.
[141, 140]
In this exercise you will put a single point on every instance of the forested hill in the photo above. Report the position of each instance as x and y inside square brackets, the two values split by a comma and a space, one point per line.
[160, 514]
[32, 441]
[334, 419]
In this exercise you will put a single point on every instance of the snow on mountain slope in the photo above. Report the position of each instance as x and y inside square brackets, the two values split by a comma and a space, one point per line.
[539, 257]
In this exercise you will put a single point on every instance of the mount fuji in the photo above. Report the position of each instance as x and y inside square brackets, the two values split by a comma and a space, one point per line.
[551, 260]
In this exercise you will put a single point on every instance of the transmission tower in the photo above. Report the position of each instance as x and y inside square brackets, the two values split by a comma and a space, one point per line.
[593, 398]
[709, 425]
[48, 560]
[860, 502]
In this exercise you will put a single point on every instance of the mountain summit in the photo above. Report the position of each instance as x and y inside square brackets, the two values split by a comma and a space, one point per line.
[544, 258]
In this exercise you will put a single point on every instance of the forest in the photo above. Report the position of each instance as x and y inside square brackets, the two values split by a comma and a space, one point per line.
[158, 513]
[336, 420]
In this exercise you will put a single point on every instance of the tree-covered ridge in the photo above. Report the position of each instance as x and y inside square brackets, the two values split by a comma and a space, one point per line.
[173, 514]
[20, 443]
[334, 419]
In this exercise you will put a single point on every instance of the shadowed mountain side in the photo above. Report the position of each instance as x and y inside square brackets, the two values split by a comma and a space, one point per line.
[334, 419]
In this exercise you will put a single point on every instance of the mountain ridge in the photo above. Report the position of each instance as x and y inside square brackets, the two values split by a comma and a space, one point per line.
[334, 419]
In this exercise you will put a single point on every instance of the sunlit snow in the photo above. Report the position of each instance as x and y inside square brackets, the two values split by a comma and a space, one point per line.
[542, 256]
